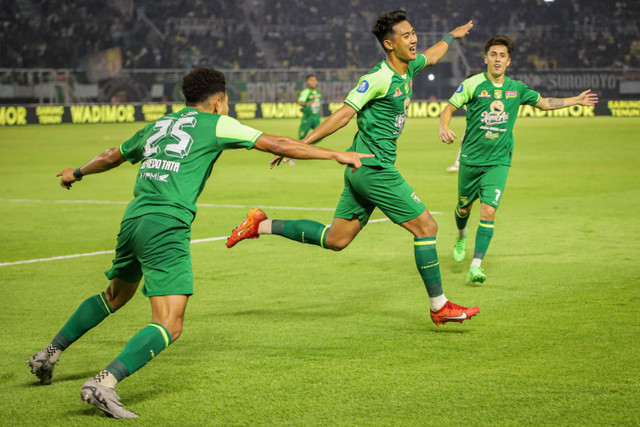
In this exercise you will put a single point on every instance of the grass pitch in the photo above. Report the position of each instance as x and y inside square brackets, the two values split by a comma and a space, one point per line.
[280, 333]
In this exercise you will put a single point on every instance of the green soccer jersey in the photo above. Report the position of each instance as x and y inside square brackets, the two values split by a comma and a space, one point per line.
[382, 99]
[491, 114]
[313, 96]
[177, 154]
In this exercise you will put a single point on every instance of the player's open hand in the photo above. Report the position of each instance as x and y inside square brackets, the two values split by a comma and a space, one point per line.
[463, 30]
[277, 160]
[447, 135]
[587, 98]
[67, 178]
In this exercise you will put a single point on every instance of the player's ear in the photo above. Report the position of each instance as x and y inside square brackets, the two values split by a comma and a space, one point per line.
[220, 103]
[388, 44]
[485, 59]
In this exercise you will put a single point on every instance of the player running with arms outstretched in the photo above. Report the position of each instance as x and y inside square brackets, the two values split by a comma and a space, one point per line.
[177, 154]
[492, 101]
[381, 101]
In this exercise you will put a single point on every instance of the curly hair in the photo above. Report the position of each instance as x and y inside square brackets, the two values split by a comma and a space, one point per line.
[383, 28]
[499, 40]
[200, 83]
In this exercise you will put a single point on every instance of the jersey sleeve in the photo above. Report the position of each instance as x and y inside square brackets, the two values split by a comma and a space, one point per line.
[233, 134]
[417, 64]
[303, 96]
[133, 148]
[529, 96]
[370, 86]
[463, 94]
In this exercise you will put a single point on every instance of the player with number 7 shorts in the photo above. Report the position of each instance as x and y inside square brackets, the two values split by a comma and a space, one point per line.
[492, 101]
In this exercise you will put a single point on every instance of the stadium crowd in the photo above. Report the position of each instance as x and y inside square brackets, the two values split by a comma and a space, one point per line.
[233, 34]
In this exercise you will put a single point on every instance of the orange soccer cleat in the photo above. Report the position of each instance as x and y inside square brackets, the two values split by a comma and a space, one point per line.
[248, 229]
[453, 313]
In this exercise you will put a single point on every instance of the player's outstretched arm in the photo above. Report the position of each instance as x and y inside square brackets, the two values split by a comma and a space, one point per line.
[289, 147]
[586, 98]
[437, 51]
[447, 135]
[335, 121]
[103, 162]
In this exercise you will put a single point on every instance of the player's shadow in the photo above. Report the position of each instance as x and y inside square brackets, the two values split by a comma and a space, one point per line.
[92, 411]
[61, 378]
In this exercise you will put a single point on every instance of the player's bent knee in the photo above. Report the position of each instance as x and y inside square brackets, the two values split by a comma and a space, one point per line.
[338, 245]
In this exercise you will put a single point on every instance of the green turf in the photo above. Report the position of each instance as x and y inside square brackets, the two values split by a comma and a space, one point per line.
[280, 333]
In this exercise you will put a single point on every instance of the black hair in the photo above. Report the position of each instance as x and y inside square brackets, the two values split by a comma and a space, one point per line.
[200, 83]
[383, 28]
[311, 75]
[499, 40]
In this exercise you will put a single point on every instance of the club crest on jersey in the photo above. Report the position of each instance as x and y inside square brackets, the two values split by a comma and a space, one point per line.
[363, 87]
[484, 94]
[497, 94]
[460, 88]
[511, 94]
[406, 88]
[398, 93]
[464, 200]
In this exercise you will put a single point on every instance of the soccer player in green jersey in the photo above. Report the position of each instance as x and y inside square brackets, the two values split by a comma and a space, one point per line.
[177, 153]
[381, 101]
[310, 100]
[492, 101]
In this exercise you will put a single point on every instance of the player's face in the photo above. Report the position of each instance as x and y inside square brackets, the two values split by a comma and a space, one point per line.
[405, 41]
[497, 60]
[312, 82]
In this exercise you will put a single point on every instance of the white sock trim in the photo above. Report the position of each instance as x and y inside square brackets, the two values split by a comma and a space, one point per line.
[437, 302]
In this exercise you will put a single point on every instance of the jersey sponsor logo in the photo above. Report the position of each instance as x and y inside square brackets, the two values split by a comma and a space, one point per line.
[460, 88]
[364, 85]
[492, 135]
[398, 93]
[497, 94]
[154, 176]
[496, 116]
[497, 106]
[511, 94]
[484, 94]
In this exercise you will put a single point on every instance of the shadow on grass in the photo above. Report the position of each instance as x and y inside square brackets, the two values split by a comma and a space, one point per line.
[302, 313]
[85, 409]
[61, 378]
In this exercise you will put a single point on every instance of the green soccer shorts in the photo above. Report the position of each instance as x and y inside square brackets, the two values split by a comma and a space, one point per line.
[308, 123]
[481, 182]
[385, 188]
[157, 247]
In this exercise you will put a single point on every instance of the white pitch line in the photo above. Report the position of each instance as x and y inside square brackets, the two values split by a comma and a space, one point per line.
[209, 239]
[200, 205]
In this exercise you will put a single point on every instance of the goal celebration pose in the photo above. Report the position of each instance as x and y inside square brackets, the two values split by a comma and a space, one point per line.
[492, 101]
[381, 101]
[177, 154]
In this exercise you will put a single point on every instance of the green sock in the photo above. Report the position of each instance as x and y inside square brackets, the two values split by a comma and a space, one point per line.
[141, 348]
[483, 238]
[302, 230]
[91, 312]
[461, 221]
[428, 265]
